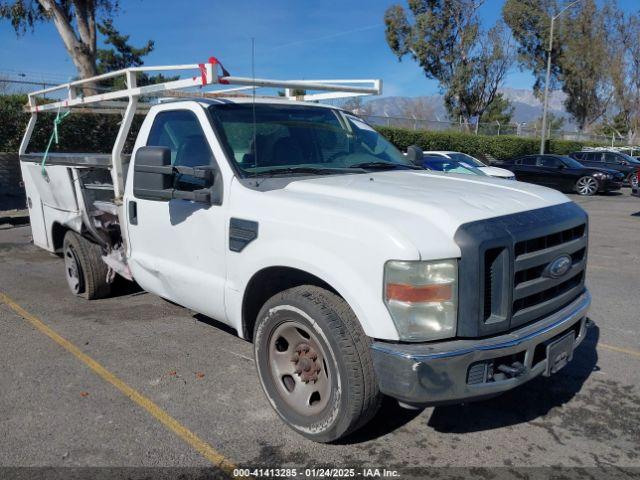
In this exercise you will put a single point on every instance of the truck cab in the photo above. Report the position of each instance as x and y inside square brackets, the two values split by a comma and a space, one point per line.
[355, 272]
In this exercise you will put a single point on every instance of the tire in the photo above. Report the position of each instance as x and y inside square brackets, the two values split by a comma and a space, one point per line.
[322, 398]
[632, 178]
[85, 271]
[587, 186]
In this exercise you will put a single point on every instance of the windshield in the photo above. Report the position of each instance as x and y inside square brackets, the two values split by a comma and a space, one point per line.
[290, 139]
[630, 159]
[450, 166]
[571, 163]
[468, 159]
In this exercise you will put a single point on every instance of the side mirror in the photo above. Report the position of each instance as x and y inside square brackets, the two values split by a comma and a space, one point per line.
[561, 166]
[154, 177]
[415, 155]
[152, 173]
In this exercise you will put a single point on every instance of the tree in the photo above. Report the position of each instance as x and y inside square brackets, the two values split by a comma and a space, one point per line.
[625, 73]
[121, 54]
[357, 106]
[555, 123]
[446, 39]
[75, 21]
[580, 56]
[500, 110]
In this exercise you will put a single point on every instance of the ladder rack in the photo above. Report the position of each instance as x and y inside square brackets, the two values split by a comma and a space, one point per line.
[134, 99]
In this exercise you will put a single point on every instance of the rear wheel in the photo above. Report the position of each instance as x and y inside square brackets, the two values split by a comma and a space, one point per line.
[587, 186]
[85, 271]
[314, 363]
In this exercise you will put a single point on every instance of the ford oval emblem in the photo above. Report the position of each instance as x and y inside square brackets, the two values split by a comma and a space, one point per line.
[558, 267]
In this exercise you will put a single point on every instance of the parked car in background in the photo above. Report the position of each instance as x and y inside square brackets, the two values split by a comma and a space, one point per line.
[447, 165]
[468, 161]
[635, 187]
[564, 173]
[618, 161]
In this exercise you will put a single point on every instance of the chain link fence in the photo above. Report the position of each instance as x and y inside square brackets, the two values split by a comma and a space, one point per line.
[525, 130]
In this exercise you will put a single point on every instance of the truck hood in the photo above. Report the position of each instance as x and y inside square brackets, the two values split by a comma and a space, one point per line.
[415, 203]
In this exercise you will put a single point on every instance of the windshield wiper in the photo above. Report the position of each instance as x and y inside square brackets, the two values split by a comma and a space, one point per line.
[311, 170]
[386, 166]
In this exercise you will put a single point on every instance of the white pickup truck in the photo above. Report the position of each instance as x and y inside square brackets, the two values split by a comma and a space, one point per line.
[354, 273]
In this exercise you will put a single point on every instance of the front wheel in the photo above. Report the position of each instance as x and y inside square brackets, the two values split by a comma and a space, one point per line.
[632, 178]
[314, 363]
[587, 186]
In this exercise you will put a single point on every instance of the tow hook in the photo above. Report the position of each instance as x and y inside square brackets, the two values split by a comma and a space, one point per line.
[512, 371]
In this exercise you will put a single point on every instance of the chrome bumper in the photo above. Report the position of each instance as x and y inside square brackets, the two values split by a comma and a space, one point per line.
[437, 373]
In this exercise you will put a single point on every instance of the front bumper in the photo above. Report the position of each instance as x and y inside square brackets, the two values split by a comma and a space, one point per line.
[439, 373]
[609, 185]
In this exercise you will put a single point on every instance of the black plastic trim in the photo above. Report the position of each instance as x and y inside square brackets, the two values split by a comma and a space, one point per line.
[241, 233]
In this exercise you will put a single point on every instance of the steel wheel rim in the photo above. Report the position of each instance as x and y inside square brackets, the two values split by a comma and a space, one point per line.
[634, 180]
[303, 382]
[587, 186]
[72, 270]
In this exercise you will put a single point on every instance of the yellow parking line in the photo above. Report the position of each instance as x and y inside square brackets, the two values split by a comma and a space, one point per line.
[633, 353]
[163, 417]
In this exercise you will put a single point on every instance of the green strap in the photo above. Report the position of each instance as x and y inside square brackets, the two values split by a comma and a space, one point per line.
[54, 137]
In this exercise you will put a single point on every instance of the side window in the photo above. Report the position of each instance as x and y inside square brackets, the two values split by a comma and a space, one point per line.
[548, 162]
[180, 131]
[529, 161]
[611, 158]
[592, 157]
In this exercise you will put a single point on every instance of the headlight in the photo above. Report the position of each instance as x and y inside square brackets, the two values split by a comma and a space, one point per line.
[422, 298]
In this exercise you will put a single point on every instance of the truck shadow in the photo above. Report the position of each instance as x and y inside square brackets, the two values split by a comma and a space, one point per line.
[526, 403]
[521, 405]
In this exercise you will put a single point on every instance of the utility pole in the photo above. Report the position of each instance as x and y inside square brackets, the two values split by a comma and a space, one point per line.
[545, 104]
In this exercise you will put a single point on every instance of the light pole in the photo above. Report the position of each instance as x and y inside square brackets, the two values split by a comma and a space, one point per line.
[546, 82]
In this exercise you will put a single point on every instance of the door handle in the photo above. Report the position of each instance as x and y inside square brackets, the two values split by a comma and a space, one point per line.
[133, 212]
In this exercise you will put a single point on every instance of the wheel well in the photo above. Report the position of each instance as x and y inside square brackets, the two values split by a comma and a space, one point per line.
[265, 284]
[57, 235]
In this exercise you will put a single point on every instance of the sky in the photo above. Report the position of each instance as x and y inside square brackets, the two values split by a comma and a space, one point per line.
[294, 39]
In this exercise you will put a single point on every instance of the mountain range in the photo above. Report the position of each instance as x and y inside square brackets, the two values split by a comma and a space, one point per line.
[527, 106]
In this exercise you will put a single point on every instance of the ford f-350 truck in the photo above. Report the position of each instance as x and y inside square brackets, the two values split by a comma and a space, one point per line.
[355, 273]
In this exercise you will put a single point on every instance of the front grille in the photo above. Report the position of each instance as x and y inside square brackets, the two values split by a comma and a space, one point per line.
[536, 294]
[505, 280]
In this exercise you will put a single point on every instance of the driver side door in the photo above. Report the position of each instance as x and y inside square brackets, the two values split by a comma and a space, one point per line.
[177, 247]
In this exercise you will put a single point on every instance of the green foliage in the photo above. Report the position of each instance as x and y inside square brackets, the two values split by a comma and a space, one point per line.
[121, 54]
[12, 121]
[500, 110]
[25, 14]
[499, 147]
[77, 133]
[445, 38]
[581, 53]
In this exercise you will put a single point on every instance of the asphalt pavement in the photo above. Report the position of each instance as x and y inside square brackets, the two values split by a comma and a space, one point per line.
[57, 410]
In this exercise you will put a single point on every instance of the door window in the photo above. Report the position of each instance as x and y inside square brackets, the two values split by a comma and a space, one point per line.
[180, 131]
[548, 162]
[529, 161]
[612, 158]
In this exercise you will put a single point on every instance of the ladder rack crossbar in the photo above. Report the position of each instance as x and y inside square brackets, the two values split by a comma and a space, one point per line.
[200, 75]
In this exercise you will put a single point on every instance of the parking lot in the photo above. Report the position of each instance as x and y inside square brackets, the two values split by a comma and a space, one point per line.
[136, 381]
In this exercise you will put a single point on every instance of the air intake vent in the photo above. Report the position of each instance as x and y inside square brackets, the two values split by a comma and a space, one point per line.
[496, 285]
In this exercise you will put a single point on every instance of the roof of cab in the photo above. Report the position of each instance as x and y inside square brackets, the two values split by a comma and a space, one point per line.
[205, 102]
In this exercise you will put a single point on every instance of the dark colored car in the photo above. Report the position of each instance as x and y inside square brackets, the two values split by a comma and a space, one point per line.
[620, 162]
[564, 173]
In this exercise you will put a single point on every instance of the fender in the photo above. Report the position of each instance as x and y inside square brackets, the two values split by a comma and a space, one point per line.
[361, 287]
